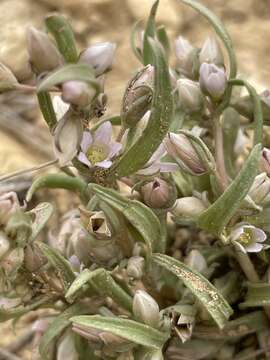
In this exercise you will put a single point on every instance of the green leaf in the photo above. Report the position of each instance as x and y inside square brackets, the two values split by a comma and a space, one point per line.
[128, 329]
[257, 109]
[140, 216]
[203, 290]
[258, 294]
[56, 328]
[134, 33]
[58, 181]
[103, 283]
[46, 107]
[59, 27]
[164, 39]
[150, 32]
[217, 216]
[79, 72]
[158, 125]
[42, 214]
[60, 264]
[225, 38]
[231, 123]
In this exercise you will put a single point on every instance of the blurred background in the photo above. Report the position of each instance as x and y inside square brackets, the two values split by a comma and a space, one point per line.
[24, 140]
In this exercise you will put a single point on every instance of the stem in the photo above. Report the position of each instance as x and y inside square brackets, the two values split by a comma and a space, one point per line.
[219, 155]
[247, 266]
[26, 171]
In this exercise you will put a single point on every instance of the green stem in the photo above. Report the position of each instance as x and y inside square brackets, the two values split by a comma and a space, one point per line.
[247, 266]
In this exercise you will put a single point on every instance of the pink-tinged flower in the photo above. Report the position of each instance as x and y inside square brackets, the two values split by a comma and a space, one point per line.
[154, 165]
[99, 149]
[248, 238]
[213, 80]
[265, 161]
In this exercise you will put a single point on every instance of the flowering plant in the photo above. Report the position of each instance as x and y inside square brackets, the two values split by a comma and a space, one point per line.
[173, 217]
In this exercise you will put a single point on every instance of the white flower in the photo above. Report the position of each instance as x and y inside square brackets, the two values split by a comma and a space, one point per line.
[247, 238]
[99, 149]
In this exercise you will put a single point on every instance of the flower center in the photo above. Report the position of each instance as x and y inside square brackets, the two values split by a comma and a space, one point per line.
[245, 238]
[97, 153]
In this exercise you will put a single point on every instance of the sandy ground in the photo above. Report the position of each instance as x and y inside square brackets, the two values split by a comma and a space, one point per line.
[248, 22]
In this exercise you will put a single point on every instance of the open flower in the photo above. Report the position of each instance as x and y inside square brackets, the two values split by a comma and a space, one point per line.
[99, 149]
[248, 238]
[154, 165]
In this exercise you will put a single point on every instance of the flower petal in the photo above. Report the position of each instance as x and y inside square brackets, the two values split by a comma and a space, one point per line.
[150, 170]
[115, 147]
[83, 159]
[86, 141]
[168, 167]
[254, 247]
[104, 164]
[104, 133]
[157, 154]
[259, 235]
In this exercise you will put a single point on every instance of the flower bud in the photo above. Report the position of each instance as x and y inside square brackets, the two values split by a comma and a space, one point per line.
[9, 204]
[265, 161]
[186, 56]
[145, 308]
[99, 56]
[211, 52]
[191, 157]
[190, 95]
[33, 258]
[138, 96]
[213, 80]
[4, 245]
[43, 54]
[7, 80]
[158, 194]
[188, 207]
[78, 93]
[135, 267]
[260, 188]
[96, 223]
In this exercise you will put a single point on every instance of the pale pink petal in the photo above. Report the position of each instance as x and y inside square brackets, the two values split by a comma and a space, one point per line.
[235, 234]
[157, 154]
[259, 235]
[254, 247]
[168, 167]
[104, 133]
[104, 164]
[115, 147]
[83, 159]
[150, 170]
[86, 141]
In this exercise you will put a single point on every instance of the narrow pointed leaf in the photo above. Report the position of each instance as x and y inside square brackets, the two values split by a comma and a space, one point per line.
[140, 216]
[103, 283]
[203, 290]
[42, 214]
[158, 125]
[217, 216]
[58, 181]
[57, 327]
[128, 329]
[134, 33]
[59, 27]
[79, 72]
[150, 32]
[60, 264]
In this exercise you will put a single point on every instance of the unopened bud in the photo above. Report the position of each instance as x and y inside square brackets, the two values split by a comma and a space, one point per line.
[211, 52]
[158, 194]
[145, 308]
[193, 157]
[265, 161]
[99, 56]
[9, 204]
[190, 95]
[78, 93]
[19, 227]
[260, 189]
[213, 80]
[186, 56]
[96, 223]
[135, 267]
[7, 80]
[43, 54]
[138, 96]
[188, 207]
[4, 245]
[33, 258]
